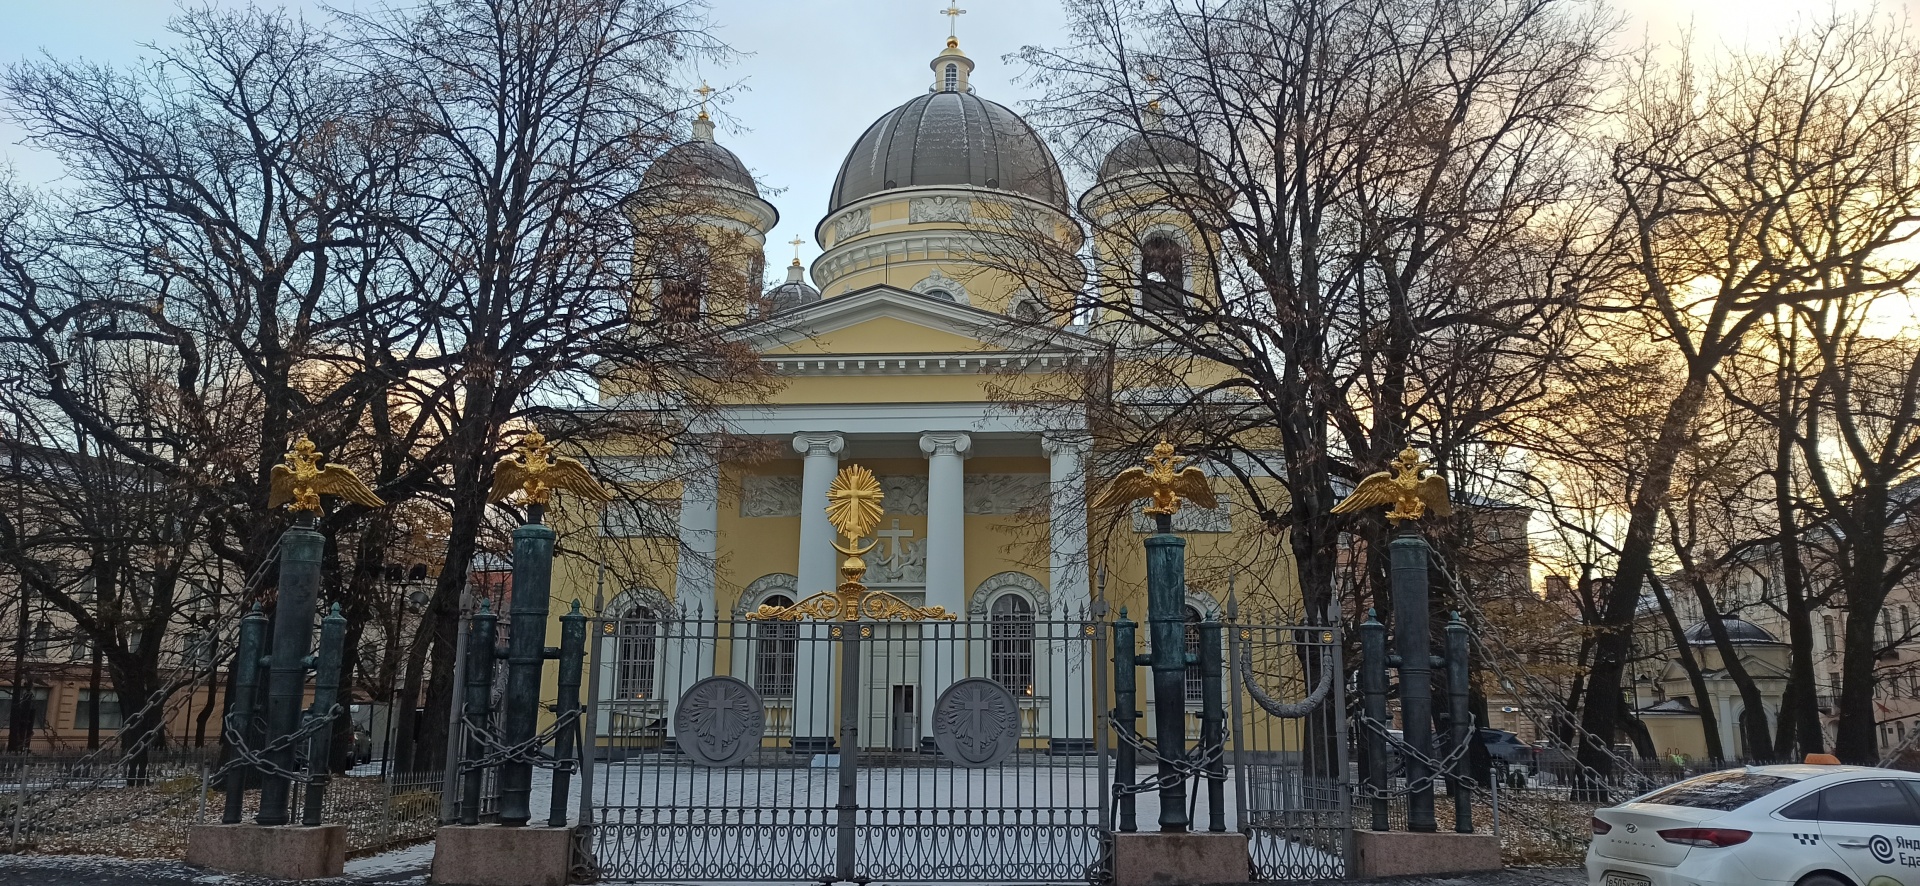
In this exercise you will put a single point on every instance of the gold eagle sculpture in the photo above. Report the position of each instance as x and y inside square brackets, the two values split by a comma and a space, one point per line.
[1161, 480]
[1406, 494]
[301, 481]
[532, 468]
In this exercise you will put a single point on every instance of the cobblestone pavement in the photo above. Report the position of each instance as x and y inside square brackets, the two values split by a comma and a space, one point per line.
[408, 867]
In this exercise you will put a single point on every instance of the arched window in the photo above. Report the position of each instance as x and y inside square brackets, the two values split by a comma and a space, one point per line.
[1194, 683]
[638, 656]
[1026, 310]
[1163, 273]
[1010, 636]
[774, 653]
[953, 77]
[941, 294]
[684, 261]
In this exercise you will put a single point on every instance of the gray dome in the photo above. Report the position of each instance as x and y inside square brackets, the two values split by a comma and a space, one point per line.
[791, 294]
[1739, 631]
[700, 161]
[1151, 152]
[949, 138]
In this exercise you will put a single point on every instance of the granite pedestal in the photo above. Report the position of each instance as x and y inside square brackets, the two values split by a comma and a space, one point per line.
[491, 855]
[1402, 853]
[1189, 859]
[283, 853]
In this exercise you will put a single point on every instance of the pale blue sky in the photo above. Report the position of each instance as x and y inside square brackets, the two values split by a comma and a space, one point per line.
[813, 73]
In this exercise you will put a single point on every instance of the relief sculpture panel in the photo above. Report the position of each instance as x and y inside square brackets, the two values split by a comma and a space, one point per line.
[998, 494]
[762, 496]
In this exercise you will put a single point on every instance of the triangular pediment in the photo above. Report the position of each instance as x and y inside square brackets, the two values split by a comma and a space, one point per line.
[882, 320]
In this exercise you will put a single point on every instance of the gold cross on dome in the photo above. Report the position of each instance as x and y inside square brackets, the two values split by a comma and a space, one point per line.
[953, 12]
[704, 91]
[797, 243]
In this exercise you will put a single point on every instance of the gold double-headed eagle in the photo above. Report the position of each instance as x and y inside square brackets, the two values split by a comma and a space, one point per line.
[1162, 480]
[1406, 494]
[853, 507]
[532, 468]
[300, 482]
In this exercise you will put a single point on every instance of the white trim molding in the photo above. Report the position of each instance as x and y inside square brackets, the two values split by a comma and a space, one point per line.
[1001, 584]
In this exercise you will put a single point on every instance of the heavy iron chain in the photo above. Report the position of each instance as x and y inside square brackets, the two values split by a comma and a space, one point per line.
[1492, 648]
[245, 756]
[1185, 767]
[1437, 769]
[528, 751]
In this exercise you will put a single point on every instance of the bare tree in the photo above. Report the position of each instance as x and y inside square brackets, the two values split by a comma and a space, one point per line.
[1773, 179]
[1378, 202]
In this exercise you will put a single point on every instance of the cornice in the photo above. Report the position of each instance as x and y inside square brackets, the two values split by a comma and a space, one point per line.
[926, 364]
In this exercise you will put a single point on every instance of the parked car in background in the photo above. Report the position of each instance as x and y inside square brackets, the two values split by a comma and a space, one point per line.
[1506, 748]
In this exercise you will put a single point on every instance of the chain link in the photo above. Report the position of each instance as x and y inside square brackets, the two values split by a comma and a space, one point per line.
[1436, 768]
[245, 756]
[528, 751]
[1184, 768]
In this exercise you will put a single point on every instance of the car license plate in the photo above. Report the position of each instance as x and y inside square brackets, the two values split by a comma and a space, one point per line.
[1617, 879]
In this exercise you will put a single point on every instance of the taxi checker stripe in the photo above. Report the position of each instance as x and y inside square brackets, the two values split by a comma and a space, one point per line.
[1807, 839]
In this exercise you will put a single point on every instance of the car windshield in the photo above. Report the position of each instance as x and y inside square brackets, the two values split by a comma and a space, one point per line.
[1721, 791]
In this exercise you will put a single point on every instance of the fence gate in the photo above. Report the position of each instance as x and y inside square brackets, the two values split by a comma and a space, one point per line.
[1288, 743]
[731, 749]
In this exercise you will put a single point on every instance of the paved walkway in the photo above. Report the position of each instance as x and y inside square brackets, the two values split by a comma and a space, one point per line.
[408, 867]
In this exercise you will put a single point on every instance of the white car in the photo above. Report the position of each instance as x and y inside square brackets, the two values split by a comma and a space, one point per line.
[1805, 825]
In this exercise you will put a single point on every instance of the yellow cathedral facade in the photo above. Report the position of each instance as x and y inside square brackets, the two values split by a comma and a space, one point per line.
[893, 351]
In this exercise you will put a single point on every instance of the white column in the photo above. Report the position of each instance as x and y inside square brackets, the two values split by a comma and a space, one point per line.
[943, 651]
[687, 653]
[813, 665]
[1067, 590]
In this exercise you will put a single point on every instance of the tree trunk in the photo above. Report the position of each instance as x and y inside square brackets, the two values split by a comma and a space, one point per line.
[1615, 643]
[1709, 722]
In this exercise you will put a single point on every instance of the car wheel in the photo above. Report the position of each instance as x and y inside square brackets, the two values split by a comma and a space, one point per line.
[1823, 880]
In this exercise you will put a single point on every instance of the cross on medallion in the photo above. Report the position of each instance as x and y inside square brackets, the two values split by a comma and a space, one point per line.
[704, 91]
[953, 12]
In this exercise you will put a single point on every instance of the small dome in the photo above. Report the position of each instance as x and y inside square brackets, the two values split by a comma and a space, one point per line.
[793, 293]
[1739, 631]
[701, 161]
[949, 138]
[1151, 152]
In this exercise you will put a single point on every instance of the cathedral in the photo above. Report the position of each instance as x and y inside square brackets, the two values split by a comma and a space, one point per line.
[894, 351]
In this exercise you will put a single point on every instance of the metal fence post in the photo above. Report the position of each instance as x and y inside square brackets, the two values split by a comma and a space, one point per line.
[849, 806]
[1457, 683]
[20, 804]
[573, 648]
[1373, 706]
[450, 768]
[326, 691]
[239, 718]
[479, 704]
[386, 812]
[1212, 726]
[1124, 675]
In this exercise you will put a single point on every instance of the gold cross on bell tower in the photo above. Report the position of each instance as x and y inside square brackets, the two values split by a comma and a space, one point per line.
[704, 91]
[953, 12]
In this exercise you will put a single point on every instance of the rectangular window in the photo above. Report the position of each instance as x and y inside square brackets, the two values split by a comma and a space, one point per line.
[39, 708]
[775, 658]
[1826, 627]
[109, 710]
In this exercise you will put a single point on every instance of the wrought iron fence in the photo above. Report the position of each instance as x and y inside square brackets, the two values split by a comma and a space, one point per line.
[858, 709]
[1288, 745]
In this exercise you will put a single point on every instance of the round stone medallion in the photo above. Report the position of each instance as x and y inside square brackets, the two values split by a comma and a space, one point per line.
[719, 721]
[976, 723]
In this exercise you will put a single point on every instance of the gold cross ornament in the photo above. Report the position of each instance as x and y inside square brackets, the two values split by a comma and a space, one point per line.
[704, 91]
[953, 12]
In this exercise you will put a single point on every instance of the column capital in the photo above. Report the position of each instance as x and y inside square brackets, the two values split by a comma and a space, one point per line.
[953, 443]
[819, 444]
[1065, 443]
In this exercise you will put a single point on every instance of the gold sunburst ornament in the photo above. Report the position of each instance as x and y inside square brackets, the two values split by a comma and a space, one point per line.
[853, 507]
[1406, 495]
[300, 482]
